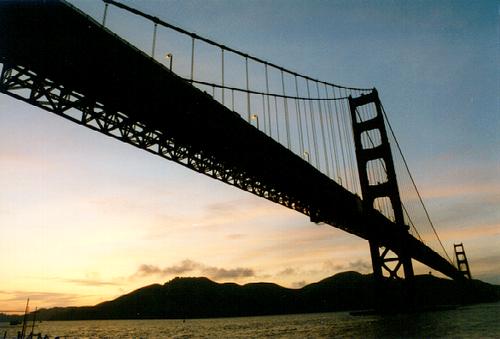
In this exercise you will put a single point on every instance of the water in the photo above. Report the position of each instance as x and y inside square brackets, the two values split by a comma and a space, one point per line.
[478, 321]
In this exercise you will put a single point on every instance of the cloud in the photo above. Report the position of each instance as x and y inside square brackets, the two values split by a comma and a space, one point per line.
[464, 190]
[359, 265]
[486, 268]
[188, 266]
[235, 236]
[328, 265]
[239, 211]
[477, 231]
[183, 267]
[145, 270]
[41, 299]
[216, 215]
[286, 271]
[461, 181]
[91, 282]
[222, 273]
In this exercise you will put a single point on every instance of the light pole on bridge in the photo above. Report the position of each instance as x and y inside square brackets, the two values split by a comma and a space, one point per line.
[306, 156]
[256, 118]
[170, 56]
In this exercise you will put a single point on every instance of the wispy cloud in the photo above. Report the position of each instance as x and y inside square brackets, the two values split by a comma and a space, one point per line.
[453, 190]
[460, 180]
[359, 265]
[190, 266]
[183, 267]
[233, 273]
[478, 231]
[235, 236]
[17, 299]
[238, 211]
[286, 271]
[217, 215]
[319, 271]
[91, 282]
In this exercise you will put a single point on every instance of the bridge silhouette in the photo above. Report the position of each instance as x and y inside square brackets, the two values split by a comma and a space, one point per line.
[319, 148]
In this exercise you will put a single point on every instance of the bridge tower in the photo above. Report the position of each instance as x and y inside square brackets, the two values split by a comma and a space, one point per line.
[462, 263]
[377, 152]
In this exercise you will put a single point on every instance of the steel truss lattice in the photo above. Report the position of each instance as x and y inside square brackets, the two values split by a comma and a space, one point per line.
[24, 84]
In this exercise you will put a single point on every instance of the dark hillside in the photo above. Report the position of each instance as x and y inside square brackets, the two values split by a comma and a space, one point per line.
[203, 298]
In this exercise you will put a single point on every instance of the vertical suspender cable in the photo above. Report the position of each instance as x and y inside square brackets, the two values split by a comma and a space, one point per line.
[105, 14]
[332, 126]
[352, 155]
[232, 99]
[329, 134]
[268, 104]
[222, 67]
[299, 119]
[349, 138]
[308, 138]
[327, 165]
[155, 27]
[342, 150]
[264, 112]
[335, 144]
[354, 163]
[192, 59]
[355, 168]
[277, 121]
[285, 106]
[248, 89]
[313, 123]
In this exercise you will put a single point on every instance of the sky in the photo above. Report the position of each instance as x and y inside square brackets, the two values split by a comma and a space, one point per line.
[85, 218]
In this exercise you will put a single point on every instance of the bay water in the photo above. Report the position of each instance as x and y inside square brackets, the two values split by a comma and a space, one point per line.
[475, 321]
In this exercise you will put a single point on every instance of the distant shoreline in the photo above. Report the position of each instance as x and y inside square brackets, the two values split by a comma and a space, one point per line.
[198, 298]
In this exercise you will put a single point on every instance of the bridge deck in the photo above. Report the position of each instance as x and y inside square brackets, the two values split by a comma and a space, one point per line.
[57, 42]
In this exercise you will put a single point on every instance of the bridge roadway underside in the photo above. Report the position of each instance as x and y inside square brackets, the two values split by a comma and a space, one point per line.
[68, 61]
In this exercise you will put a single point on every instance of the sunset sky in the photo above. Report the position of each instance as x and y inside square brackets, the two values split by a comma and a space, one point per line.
[85, 218]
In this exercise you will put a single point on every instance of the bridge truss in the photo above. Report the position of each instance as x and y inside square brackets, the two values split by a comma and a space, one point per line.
[174, 125]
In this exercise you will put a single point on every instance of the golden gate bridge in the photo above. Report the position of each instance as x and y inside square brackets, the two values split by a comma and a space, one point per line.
[325, 150]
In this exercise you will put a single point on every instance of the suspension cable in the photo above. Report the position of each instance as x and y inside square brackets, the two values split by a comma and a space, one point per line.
[267, 93]
[413, 182]
[213, 43]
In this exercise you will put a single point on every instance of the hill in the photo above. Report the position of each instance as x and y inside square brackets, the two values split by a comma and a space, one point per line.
[202, 298]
